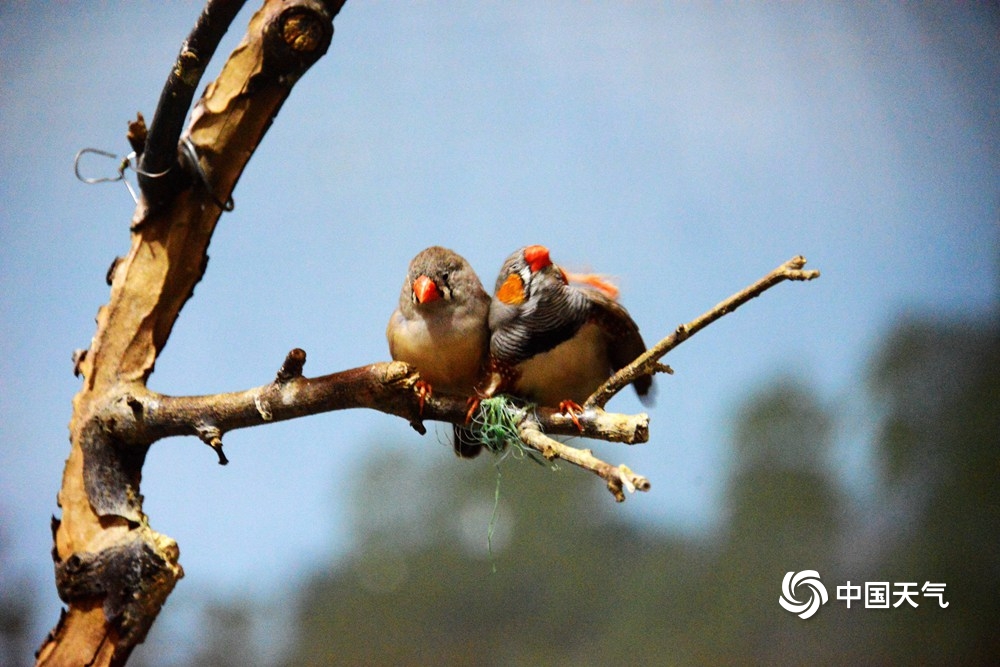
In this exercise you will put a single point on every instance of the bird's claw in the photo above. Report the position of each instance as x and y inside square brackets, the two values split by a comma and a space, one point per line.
[473, 405]
[424, 391]
[571, 409]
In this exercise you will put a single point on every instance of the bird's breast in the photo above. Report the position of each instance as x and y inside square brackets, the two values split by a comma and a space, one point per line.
[571, 370]
[448, 354]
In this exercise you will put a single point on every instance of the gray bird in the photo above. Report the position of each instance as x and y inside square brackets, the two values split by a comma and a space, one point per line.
[553, 342]
[441, 328]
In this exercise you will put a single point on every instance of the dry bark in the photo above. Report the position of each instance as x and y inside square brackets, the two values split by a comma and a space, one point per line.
[112, 569]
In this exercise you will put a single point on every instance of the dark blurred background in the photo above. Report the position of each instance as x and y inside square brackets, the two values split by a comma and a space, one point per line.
[575, 584]
[848, 425]
[565, 580]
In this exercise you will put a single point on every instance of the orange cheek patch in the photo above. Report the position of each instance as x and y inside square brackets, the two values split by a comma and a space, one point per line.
[512, 290]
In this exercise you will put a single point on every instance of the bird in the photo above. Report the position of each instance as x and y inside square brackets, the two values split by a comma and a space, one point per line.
[441, 327]
[553, 341]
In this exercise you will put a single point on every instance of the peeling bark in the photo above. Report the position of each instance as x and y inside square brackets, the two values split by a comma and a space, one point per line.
[112, 569]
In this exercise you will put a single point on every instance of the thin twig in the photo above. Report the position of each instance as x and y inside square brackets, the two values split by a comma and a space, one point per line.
[647, 362]
[619, 478]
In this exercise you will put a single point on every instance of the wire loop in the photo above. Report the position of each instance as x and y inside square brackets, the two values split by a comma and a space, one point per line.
[130, 162]
[123, 164]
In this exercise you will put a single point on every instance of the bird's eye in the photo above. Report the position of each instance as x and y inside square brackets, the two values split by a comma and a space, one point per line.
[444, 277]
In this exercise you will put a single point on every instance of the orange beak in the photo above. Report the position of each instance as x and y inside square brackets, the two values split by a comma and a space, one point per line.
[537, 257]
[425, 290]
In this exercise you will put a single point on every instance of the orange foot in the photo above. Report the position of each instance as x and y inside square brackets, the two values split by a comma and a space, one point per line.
[473, 403]
[571, 409]
[424, 392]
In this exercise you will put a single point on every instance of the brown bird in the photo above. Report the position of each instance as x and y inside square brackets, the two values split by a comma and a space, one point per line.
[553, 342]
[441, 328]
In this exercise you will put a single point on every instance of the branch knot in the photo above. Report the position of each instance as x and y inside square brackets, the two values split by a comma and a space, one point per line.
[211, 435]
[133, 577]
[292, 368]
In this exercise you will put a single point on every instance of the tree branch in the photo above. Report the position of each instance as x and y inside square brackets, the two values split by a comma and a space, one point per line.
[112, 569]
[617, 477]
[159, 155]
[647, 363]
[103, 530]
[141, 417]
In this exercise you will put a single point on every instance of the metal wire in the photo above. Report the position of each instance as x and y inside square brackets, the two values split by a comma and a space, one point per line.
[123, 164]
[130, 162]
[192, 154]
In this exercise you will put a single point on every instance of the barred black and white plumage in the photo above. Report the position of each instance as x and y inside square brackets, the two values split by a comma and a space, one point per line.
[552, 341]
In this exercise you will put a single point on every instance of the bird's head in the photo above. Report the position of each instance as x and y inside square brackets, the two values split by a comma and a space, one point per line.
[524, 271]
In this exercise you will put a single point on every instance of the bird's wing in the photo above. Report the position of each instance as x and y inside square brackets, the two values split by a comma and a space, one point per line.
[624, 340]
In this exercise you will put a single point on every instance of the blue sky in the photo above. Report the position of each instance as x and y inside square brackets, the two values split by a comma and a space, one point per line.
[684, 149]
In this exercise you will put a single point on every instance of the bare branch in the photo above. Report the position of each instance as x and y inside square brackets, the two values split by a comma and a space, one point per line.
[112, 569]
[618, 478]
[159, 155]
[648, 362]
[388, 387]
[594, 422]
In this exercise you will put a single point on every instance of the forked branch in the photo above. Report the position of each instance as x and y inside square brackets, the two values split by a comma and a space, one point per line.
[142, 417]
[619, 478]
[113, 570]
[390, 388]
